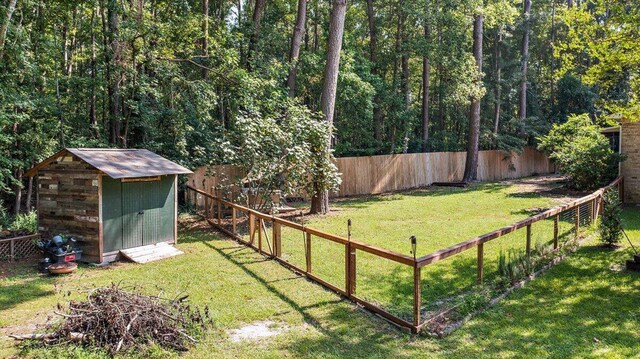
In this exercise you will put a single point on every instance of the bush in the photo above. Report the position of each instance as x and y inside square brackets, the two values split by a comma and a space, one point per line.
[25, 222]
[610, 225]
[582, 153]
[5, 219]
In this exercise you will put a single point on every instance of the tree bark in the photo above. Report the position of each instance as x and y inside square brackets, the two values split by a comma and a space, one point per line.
[4, 27]
[426, 72]
[205, 34]
[29, 194]
[497, 54]
[320, 201]
[522, 112]
[115, 82]
[93, 121]
[296, 43]
[18, 192]
[258, 11]
[471, 165]
[373, 58]
[553, 60]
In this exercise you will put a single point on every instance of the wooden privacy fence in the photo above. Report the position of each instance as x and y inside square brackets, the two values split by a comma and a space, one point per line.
[389, 173]
[229, 217]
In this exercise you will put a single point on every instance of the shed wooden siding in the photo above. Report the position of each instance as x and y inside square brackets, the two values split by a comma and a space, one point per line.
[68, 203]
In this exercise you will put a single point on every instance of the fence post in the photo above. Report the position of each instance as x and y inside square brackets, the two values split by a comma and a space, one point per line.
[528, 240]
[277, 231]
[219, 206]
[252, 228]
[480, 262]
[350, 269]
[577, 221]
[12, 254]
[417, 296]
[260, 235]
[307, 253]
[556, 221]
[233, 220]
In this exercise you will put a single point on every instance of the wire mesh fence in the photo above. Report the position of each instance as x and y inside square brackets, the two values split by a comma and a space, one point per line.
[408, 291]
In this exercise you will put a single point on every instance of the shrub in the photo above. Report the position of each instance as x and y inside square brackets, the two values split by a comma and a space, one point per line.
[25, 221]
[582, 153]
[5, 219]
[610, 225]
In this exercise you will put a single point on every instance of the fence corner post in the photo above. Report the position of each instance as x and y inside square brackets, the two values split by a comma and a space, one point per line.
[417, 296]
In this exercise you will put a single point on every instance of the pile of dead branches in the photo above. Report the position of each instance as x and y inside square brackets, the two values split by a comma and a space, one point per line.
[117, 320]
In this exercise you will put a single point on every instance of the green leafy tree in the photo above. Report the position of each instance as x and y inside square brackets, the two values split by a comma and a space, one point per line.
[581, 152]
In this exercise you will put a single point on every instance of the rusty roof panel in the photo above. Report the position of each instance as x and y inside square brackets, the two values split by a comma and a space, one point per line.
[128, 163]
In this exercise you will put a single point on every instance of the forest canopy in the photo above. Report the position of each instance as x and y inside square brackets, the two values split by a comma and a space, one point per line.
[179, 77]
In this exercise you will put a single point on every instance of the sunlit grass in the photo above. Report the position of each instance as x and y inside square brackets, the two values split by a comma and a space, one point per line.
[587, 306]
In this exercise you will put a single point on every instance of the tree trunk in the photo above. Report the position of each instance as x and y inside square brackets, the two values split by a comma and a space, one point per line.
[553, 60]
[471, 165]
[258, 11]
[115, 82]
[296, 43]
[29, 194]
[4, 27]
[93, 121]
[205, 34]
[522, 112]
[373, 58]
[18, 192]
[426, 72]
[320, 201]
[498, 85]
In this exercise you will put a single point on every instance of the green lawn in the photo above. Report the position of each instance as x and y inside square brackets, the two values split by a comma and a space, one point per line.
[438, 217]
[587, 306]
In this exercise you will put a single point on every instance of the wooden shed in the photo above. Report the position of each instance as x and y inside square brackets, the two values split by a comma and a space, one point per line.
[108, 199]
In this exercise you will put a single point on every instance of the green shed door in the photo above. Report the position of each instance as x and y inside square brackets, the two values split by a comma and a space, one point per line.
[111, 214]
[137, 213]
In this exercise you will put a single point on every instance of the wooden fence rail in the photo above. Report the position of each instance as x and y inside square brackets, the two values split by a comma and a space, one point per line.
[270, 244]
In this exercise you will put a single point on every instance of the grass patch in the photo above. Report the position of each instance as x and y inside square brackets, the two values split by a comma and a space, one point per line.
[438, 217]
[587, 306]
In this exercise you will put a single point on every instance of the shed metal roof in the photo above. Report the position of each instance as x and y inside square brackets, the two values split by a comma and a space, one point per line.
[120, 163]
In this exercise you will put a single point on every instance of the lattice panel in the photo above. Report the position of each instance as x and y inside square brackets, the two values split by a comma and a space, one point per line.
[5, 251]
[22, 248]
[25, 249]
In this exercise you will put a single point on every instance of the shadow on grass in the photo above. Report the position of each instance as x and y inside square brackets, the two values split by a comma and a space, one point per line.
[577, 307]
[25, 291]
[336, 327]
